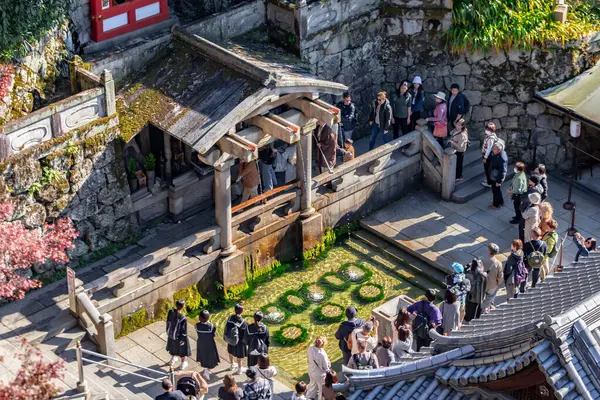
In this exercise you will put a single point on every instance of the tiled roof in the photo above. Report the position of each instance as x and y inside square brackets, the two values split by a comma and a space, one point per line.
[425, 387]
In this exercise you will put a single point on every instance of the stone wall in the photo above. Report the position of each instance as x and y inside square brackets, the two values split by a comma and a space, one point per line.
[372, 46]
[81, 25]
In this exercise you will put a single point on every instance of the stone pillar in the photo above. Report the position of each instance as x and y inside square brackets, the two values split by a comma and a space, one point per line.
[168, 155]
[222, 197]
[109, 92]
[304, 173]
[448, 174]
[106, 337]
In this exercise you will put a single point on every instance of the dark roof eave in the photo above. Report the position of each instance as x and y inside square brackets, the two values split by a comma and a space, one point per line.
[566, 111]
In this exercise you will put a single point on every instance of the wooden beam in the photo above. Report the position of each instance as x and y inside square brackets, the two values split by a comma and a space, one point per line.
[276, 102]
[287, 131]
[211, 157]
[306, 124]
[312, 109]
[238, 147]
[256, 135]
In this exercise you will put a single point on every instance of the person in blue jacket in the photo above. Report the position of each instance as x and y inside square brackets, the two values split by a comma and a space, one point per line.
[585, 246]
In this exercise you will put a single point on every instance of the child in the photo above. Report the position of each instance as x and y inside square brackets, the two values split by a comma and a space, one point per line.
[450, 309]
[300, 393]
[206, 349]
[178, 344]
[349, 153]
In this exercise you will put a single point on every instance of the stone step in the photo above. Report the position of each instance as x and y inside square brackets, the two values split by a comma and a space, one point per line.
[473, 188]
[48, 328]
[407, 260]
[472, 156]
[66, 340]
[471, 173]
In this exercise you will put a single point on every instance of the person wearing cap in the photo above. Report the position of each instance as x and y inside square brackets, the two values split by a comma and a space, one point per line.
[440, 118]
[345, 329]
[434, 315]
[534, 187]
[459, 285]
[367, 332]
[498, 165]
[456, 106]
[401, 110]
[348, 117]
[348, 150]
[493, 267]
[381, 119]
[417, 96]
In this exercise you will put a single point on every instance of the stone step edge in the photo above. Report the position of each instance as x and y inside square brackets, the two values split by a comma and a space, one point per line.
[404, 258]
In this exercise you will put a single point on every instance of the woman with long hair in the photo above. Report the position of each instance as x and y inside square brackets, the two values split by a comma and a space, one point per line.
[258, 339]
[402, 319]
[401, 108]
[418, 97]
[230, 389]
[331, 378]
[266, 370]
[206, 349]
[178, 344]
[459, 140]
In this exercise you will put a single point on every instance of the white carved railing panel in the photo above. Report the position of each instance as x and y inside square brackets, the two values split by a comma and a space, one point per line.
[34, 134]
[82, 114]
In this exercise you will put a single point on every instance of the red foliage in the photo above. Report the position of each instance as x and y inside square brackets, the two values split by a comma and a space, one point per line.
[34, 379]
[20, 248]
[6, 78]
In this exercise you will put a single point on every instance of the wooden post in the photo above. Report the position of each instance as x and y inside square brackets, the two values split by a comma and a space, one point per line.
[304, 172]
[448, 174]
[222, 199]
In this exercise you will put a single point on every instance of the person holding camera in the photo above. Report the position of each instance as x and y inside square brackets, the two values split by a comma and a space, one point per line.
[367, 332]
[585, 246]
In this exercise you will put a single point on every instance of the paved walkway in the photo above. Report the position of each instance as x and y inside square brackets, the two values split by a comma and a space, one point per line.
[442, 232]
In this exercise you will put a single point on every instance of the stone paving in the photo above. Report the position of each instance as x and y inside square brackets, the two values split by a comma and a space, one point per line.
[442, 232]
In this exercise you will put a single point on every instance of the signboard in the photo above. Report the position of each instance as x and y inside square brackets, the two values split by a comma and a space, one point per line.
[71, 290]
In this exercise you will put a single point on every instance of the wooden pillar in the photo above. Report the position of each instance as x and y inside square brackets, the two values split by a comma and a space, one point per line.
[304, 173]
[222, 199]
[168, 155]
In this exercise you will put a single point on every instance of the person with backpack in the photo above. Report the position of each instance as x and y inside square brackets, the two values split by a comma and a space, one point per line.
[514, 270]
[206, 348]
[256, 388]
[531, 215]
[493, 268]
[266, 370]
[535, 254]
[257, 338]
[478, 278]
[498, 165]
[486, 149]
[368, 332]
[541, 172]
[235, 337]
[458, 106]
[534, 187]
[450, 310]
[345, 329]
[459, 141]
[459, 285]
[426, 316]
[518, 187]
[363, 359]
[318, 365]
[178, 344]
[550, 237]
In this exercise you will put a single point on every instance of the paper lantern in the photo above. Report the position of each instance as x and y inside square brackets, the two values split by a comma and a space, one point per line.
[575, 128]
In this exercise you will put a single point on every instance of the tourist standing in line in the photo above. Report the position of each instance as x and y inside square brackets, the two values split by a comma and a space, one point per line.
[258, 339]
[299, 391]
[541, 171]
[531, 215]
[348, 118]
[285, 164]
[327, 145]
[534, 187]
[256, 388]
[401, 110]
[459, 285]
[546, 214]
[518, 187]
[459, 140]
[478, 278]
[440, 118]
[498, 167]
[345, 330]
[380, 119]
[235, 337]
[550, 237]
[348, 150]
[363, 358]
[384, 353]
[450, 310]
[493, 268]
[206, 348]
[230, 389]
[486, 149]
[318, 365]
[418, 97]
[169, 392]
[427, 316]
[584, 246]
[368, 332]
[535, 253]
[403, 318]
[268, 179]
[178, 344]
[511, 267]
[266, 370]
[330, 379]
[456, 106]
[402, 347]
[250, 179]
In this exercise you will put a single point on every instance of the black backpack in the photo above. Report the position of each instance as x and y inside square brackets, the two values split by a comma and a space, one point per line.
[256, 343]
[359, 363]
[421, 323]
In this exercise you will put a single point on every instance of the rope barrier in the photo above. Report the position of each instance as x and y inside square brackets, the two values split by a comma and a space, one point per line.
[583, 151]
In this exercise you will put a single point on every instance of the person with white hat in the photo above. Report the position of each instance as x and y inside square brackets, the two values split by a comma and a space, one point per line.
[532, 214]
[418, 96]
[440, 118]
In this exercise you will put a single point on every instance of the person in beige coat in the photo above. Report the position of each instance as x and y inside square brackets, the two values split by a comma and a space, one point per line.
[318, 365]
[532, 214]
[459, 140]
[493, 267]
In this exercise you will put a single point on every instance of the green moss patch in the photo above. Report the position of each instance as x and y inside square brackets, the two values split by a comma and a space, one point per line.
[355, 273]
[135, 321]
[148, 106]
[274, 314]
[329, 313]
[332, 281]
[291, 334]
[315, 293]
[369, 292]
[293, 301]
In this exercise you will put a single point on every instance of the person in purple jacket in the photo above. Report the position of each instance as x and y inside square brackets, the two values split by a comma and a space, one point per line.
[427, 316]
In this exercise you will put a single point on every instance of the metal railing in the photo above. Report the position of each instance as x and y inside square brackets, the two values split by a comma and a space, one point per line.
[82, 386]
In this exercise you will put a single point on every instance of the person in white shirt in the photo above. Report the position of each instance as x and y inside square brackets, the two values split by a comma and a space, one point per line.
[318, 365]
[368, 332]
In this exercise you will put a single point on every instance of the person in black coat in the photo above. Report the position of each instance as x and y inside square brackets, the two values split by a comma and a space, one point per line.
[380, 119]
[178, 344]
[240, 350]
[206, 349]
[257, 339]
[169, 393]
[345, 329]
[498, 164]
[541, 171]
[456, 106]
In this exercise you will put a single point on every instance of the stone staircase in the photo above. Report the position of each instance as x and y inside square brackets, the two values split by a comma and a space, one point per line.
[473, 175]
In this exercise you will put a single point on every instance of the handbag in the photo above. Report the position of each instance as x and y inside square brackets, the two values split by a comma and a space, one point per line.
[440, 129]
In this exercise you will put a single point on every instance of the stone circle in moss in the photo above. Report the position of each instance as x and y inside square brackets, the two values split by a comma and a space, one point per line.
[291, 334]
[330, 312]
[273, 314]
[355, 273]
[332, 281]
[315, 293]
[369, 292]
[293, 301]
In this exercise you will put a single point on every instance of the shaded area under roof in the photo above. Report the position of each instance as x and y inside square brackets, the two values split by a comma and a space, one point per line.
[578, 97]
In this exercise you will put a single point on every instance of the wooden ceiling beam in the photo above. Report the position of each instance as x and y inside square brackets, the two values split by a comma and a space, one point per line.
[317, 109]
[238, 147]
[276, 127]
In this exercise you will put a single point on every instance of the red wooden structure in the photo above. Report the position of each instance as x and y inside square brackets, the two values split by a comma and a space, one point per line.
[112, 18]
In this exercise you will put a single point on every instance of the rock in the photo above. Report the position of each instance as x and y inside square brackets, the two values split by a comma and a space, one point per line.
[35, 215]
[62, 163]
[481, 113]
[476, 83]
[329, 66]
[93, 184]
[497, 59]
[440, 71]
[509, 99]
[80, 173]
[394, 27]
[123, 207]
[121, 230]
[96, 241]
[110, 194]
[515, 111]
[500, 110]
[82, 208]
[490, 98]
[4, 190]
[79, 250]
[551, 151]
[104, 219]
[462, 69]
[48, 194]
[449, 80]
[526, 122]
[412, 26]
[473, 96]
[524, 93]
[20, 204]
[56, 208]
[544, 136]
[510, 122]
[535, 109]
[549, 122]
[26, 173]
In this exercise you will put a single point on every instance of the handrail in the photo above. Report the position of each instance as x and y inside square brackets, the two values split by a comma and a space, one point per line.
[93, 353]
[270, 205]
[430, 141]
[89, 307]
[263, 196]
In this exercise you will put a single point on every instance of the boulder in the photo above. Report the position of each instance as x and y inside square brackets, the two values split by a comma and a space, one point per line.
[490, 98]
[500, 110]
[474, 96]
[497, 59]
[545, 136]
[79, 174]
[20, 204]
[547, 121]
[481, 113]
[26, 173]
[110, 194]
[104, 219]
[79, 250]
[121, 230]
[95, 182]
[82, 208]
[516, 111]
[462, 69]
[35, 215]
[449, 80]
[123, 207]
[510, 122]
[526, 122]
[535, 109]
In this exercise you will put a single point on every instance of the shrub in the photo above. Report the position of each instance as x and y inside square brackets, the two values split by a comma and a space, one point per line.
[293, 301]
[330, 313]
[332, 281]
[135, 321]
[369, 292]
[150, 162]
[291, 334]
